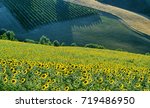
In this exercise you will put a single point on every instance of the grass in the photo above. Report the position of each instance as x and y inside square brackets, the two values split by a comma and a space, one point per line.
[133, 20]
[25, 66]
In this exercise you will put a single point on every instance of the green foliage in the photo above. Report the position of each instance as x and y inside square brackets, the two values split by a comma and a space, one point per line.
[8, 35]
[31, 41]
[94, 46]
[119, 49]
[63, 44]
[2, 31]
[56, 43]
[73, 44]
[148, 53]
[44, 40]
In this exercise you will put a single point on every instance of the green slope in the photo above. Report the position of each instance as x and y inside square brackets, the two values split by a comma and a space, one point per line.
[44, 53]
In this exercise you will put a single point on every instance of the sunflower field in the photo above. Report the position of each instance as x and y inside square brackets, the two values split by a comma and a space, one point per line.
[31, 67]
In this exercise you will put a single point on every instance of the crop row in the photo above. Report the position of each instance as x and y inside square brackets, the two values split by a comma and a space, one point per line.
[32, 13]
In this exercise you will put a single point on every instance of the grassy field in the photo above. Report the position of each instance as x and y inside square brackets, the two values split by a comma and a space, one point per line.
[133, 20]
[25, 66]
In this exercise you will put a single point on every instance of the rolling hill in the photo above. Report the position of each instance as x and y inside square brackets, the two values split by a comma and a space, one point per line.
[139, 6]
[133, 20]
[80, 24]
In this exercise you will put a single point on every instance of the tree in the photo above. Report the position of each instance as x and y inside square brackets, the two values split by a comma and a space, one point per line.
[44, 40]
[56, 43]
[8, 35]
[2, 31]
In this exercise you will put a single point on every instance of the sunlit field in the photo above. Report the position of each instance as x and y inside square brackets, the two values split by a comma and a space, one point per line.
[25, 66]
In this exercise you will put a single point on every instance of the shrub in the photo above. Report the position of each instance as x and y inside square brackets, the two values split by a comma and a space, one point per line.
[31, 41]
[44, 40]
[119, 49]
[56, 43]
[94, 46]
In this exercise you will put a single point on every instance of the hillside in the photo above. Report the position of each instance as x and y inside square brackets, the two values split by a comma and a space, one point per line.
[73, 23]
[25, 66]
[133, 20]
[32, 13]
[139, 6]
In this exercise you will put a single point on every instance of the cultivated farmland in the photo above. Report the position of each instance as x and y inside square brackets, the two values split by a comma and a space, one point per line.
[70, 68]
[32, 13]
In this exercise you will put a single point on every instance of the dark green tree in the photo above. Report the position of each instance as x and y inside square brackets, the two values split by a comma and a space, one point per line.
[9, 35]
[56, 43]
[44, 40]
[2, 31]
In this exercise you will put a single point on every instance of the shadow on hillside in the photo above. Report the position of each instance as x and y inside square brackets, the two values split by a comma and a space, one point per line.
[63, 32]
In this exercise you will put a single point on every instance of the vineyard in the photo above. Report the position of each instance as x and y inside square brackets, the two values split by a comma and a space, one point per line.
[32, 13]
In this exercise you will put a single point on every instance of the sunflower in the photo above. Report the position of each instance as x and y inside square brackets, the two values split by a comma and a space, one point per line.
[100, 80]
[112, 81]
[25, 71]
[43, 76]
[13, 81]
[49, 81]
[53, 80]
[15, 72]
[85, 82]
[36, 72]
[66, 88]
[66, 73]
[5, 80]
[137, 85]
[141, 78]
[12, 69]
[4, 70]
[44, 87]
[23, 80]
[121, 86]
